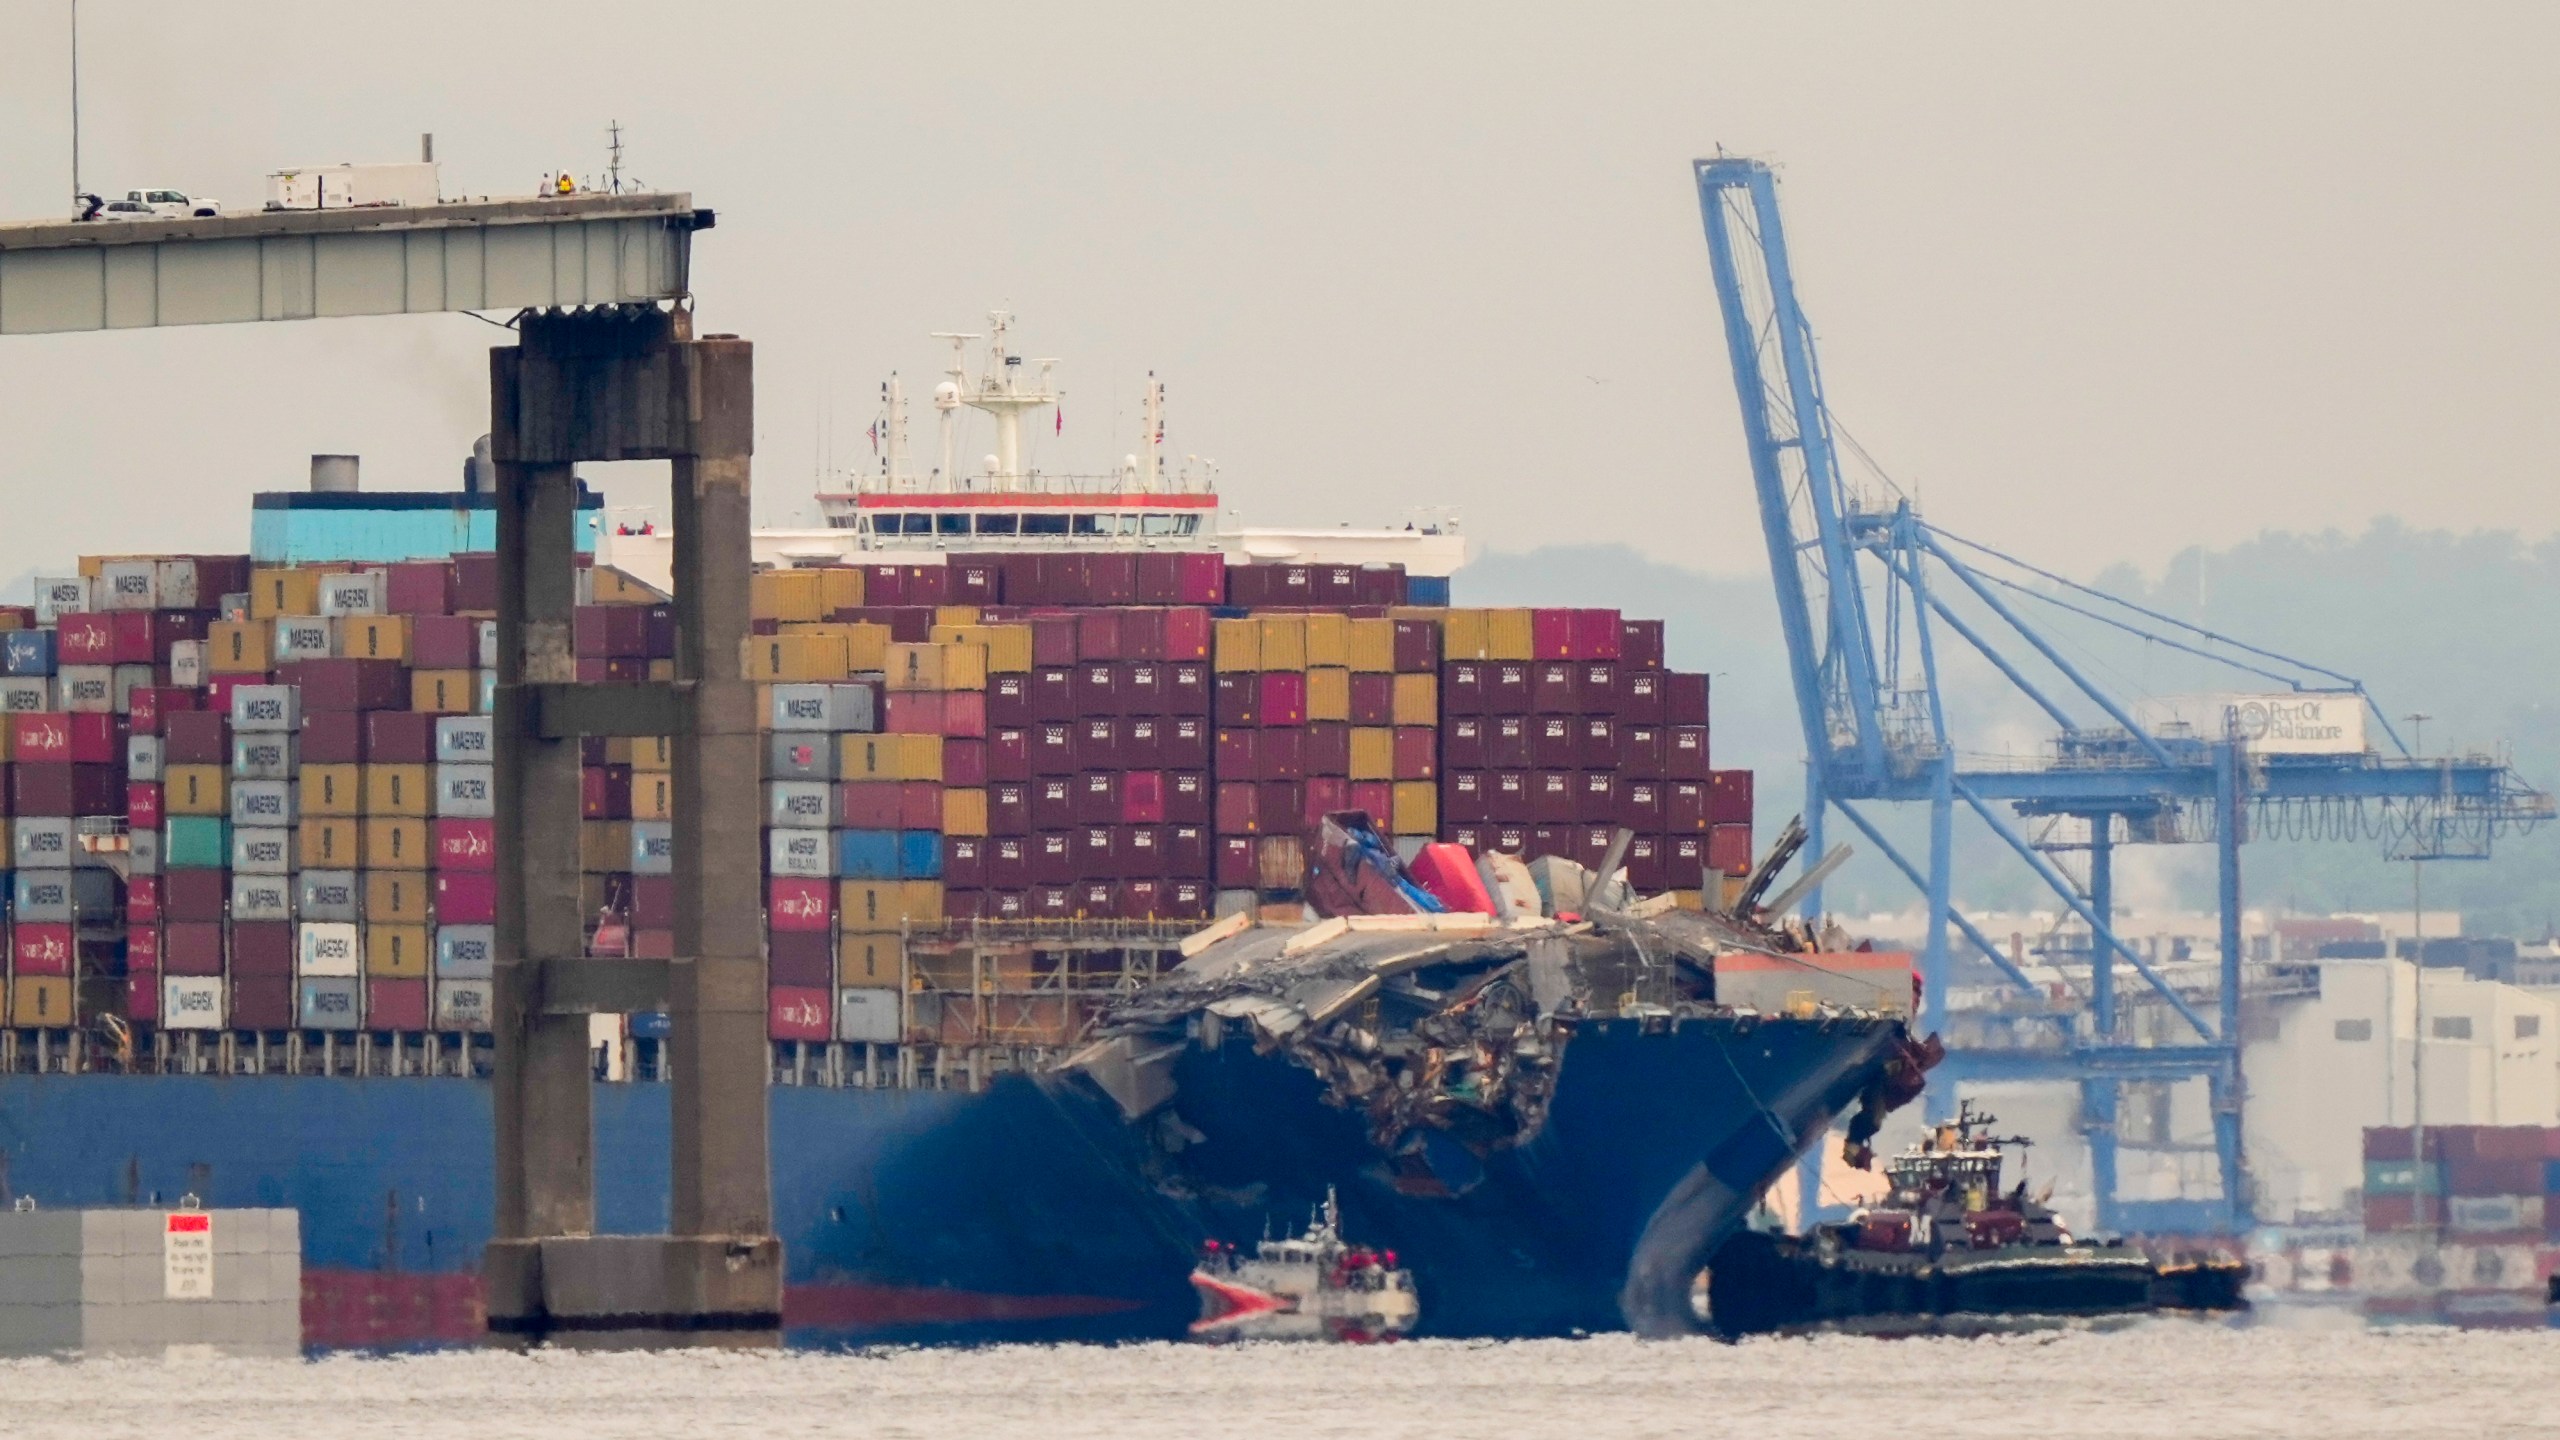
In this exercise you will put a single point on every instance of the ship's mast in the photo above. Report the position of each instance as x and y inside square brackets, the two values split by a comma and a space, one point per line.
[1151, 440]
[1001, 394]
[946, 399]
[893, 439]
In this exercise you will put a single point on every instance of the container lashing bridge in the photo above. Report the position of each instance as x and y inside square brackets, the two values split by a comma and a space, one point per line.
[1874, 601]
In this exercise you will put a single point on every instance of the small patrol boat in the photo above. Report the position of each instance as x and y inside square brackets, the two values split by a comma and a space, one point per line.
[1949, 1250]
[1317, 1286]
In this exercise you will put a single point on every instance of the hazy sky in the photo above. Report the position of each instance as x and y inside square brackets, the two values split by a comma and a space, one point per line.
[2102, 280]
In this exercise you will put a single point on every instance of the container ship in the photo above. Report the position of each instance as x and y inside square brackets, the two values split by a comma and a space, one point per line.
[1029, 735]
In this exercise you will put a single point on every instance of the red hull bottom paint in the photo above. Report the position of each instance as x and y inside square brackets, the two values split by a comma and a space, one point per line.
[371, 1310]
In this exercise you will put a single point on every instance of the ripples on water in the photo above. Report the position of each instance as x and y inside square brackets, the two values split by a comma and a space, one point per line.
[2169, 1378]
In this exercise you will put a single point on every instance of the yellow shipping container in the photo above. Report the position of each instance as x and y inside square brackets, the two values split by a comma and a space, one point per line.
[964, 812]
[1328, 638]
[332, 844]
[889, 757]
[398, 789]
[787, 595]
[867, 961]
[396, 844]
[652, 795]
[240, 647]
[1417, 809]
[396, 897]
[397, 952]
[840, 588]
[1508, 636]
[1692, 900]
[1417, 700]
[1008, 647]
[609, 586]
[1373, 753]
[1462, 635]
[195, 790]
[661, 671]
[1329, 694]
[283, 592]
[964, 667]
[798, 659]
[1236, 646]
[883, 904]
[1373, 647]
[373, 637]
[40, 1003]
[653, 752]
[332, 790]
[604, 846]
[914, 667]
[443, 692]
[955, 615]
[1284, 641]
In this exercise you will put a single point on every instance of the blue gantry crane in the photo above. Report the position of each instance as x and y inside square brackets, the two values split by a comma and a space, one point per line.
[1869, 596]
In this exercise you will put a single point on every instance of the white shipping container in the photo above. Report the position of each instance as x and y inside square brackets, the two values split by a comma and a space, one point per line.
[42, 896]
[129, 678]
[870, 1016]
[88, 689]
[799, 804]
[2307, 722]
[60, 595]
[142, 758]
[179, 589]
[25, 694]
[810, 854]
[345, 186]
[301, 637]
[267, 707]
[488, 644]
[331, 1003]
[329, 895]
[467, 792]
[39, 842]
[191, 1002]
[263, 802]
[822, 708]
[358, 592]
[186, 664]
[462, 1004]
[128, 585]
[265, 755]
[142, 853]
[330, 948]
[464, 740]
[466, 952]
[262, 851]
[800, 755]
[261, 897]
[653, 847]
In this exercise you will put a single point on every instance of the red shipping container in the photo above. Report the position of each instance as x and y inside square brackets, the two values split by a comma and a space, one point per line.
[1141, 634]
[1471, 836]
[1507, 839]
[1097, 686]
[1239, 700]
[1009, 699]
[1184, 636]
[914, 712]
[1186, 798]
[142, 997]
[1686, 807]
[444, 642]
[1462, 688]
[466, 898]
[1053, 802]
[1596, 742]
[1639, 697]
[1204, 578]
[800, 958]
[1239, 754]
[1640, 806]
[44, 737]
[800, 1013]
[1053, 693]
[1555, 687]
[418, 587]
[1009, 754]
[45, 790]
[608, 632]
[1009, 860]
[1139, 899]
[1590, 845]
[475, 582]
[964, 762]
[868, 805]
[1415, 752]
[1142, 797]
[1506, 688]
[1098, 744]
[604, 792]
[1417, 647]
[332, 737]
[142, 946]
[1554, 797]
[190, 737]
[1054, 641]
[1599, 797]
[1159, 579]
[1097, 797]
[1508, 800]
[194, 894]
[1186, 688]
[85, 638]
[1189, 852]
[884, 585]
[1462, 742]
[1373, 699]
[973, 580]
[1053, 748]
[1280, 755]
[1322, 796]
[1098, 635]
[1595, 687]
[1053, 857]
[1648, 867]
[1640, 644]
[1111, 579]
[1236, 869]
[1594, 634]
[1382, 585]
[262, 1001]
[466, 844]
[1554, 743]
[1337, 587]
[1640, 751]
[1141, 688]
[1551, 635]
[1185, 900]
[792, 903]
[1729, 849]
[1283, 700]
[653, 902]
[1327, 750]
[151, 702]
[340, 684]
[395, 1004]
[142, 805]
[40, 950]
[1729, 797]
[1684, 699]
[1685, 753]
[1238, 812]
[142, 899]
[1186, 743]
[1374, 798]
[1098, 852]
[1009, 808]
[964, 862]
[924, 585]
[1465, 797]
[1507, 744]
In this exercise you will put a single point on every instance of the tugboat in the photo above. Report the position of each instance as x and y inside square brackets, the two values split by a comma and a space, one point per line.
[1315, 1287]
[1949, 1250]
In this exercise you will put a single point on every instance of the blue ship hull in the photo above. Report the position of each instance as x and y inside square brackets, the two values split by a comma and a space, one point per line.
[1031, 1211]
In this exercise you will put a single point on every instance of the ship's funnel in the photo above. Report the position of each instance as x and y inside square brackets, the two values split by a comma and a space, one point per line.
[333, 474]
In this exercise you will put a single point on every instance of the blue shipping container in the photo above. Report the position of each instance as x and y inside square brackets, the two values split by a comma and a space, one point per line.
[27, 652]
[919, 854]
[651, 1025]
[867, 854]
[1426, 589]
